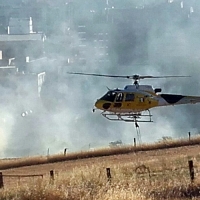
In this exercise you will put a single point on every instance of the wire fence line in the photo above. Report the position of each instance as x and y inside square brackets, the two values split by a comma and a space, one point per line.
[141, 171]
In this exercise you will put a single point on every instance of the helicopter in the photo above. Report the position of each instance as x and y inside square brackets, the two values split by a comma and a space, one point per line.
[133, 102]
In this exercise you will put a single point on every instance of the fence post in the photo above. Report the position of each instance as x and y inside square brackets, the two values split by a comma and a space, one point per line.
[1, 180]
[65, 151]
[108, 174]
[191, 170]
[134, 141]
[51, 177]
[189, 135]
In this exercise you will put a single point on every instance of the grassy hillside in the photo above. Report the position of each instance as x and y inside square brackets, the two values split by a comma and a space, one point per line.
[146, 172]
[165, 144]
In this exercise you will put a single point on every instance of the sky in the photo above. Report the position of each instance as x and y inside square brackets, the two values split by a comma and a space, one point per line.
[172, 48]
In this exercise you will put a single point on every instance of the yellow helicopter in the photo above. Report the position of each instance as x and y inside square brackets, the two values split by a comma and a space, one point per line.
[133, 103]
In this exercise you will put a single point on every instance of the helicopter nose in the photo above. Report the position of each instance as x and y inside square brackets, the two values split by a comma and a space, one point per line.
[102, 105]
[98, 104]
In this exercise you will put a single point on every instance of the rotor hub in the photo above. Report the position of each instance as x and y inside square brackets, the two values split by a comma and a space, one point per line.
[136, 77]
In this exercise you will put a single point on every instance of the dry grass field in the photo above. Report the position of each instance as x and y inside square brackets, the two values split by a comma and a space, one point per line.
[147, 172]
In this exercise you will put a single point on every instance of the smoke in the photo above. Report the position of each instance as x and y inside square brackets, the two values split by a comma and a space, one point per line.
[168, 44]
[175, 50]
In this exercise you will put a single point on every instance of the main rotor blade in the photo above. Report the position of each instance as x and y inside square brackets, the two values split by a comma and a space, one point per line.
[134, 77]
[104, 75]
[143, 77]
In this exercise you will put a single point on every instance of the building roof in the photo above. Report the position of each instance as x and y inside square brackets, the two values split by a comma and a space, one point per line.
[27, 37]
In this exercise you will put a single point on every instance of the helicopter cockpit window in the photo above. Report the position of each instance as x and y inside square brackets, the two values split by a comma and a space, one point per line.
[119, 97]
[109, 96]
[129, 97]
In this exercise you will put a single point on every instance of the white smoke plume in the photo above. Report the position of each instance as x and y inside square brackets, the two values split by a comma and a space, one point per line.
[172, 48]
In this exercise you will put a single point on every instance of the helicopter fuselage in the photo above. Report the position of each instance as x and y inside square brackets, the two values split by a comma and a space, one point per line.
[133, 99]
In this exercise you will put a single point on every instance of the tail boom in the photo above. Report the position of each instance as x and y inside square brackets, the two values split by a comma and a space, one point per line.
[173, 99]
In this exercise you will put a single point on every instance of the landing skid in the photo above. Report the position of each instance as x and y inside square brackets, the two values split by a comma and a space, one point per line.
[127, 117]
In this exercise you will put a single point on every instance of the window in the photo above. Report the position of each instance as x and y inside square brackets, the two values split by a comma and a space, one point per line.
[129, 97]
[109, 96]
[119, 97]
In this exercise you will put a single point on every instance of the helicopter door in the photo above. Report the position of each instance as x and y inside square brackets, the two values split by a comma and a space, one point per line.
[119, 99]
[129, 99]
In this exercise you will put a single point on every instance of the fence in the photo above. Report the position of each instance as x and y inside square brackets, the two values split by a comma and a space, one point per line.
[18, 177]
[140, 171]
